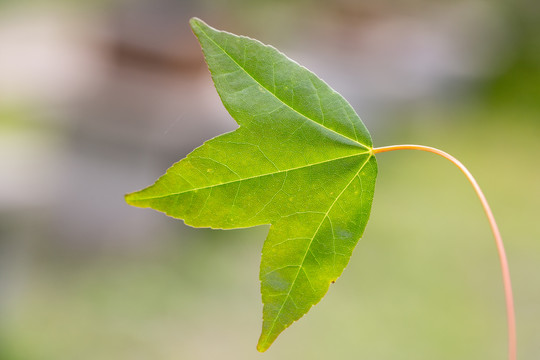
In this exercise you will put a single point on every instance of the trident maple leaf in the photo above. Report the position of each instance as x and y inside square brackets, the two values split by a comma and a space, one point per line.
[301, 160]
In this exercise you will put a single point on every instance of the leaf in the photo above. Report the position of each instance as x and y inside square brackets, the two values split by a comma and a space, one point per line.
[301, 161]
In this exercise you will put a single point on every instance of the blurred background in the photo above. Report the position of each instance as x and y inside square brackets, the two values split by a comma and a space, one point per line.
[98, 98]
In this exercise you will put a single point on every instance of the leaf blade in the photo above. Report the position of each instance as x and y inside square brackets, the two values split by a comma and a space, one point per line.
[300, 153]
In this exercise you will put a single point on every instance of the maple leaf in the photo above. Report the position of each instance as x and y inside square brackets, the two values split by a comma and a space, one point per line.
[301, 160]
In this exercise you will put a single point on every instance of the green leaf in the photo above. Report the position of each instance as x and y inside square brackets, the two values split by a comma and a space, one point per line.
[301, 161]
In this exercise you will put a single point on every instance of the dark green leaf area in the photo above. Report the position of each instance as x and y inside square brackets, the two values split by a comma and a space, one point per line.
[301, 161]
[258, 83]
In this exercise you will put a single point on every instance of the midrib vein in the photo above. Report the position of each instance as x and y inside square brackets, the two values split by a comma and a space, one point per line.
[281, 100]
[247, 178]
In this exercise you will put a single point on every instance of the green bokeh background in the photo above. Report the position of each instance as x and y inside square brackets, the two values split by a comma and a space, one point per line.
[84, 276]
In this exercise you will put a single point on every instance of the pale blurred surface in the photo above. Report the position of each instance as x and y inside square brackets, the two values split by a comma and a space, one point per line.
[99, 98]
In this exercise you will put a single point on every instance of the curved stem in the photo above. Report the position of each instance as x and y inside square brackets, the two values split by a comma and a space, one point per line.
[512, 347]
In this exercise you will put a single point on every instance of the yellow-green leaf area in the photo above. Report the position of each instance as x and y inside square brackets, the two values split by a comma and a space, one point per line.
[301, 160]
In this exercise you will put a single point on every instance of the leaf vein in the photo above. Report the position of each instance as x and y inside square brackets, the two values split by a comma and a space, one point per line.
[249, 177]
[281, 268]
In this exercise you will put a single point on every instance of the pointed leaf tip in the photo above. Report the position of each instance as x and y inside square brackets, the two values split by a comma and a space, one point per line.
[261, 348]
[197, 25]
[131, 199]
[195, 21]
